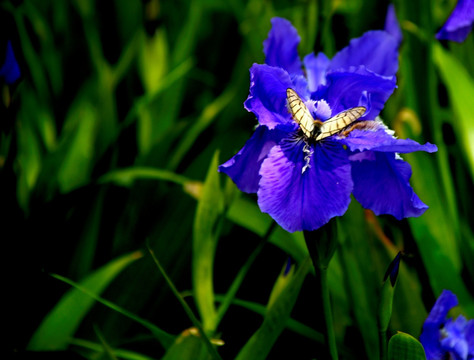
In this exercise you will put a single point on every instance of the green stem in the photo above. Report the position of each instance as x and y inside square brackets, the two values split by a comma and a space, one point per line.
[383, 344]
[322, 276]
[321, 245]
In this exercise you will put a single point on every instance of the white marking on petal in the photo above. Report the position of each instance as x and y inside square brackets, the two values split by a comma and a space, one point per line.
[309, 152]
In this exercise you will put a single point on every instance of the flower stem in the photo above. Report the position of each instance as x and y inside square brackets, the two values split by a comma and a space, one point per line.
[321, 246]
[322, 273]
[383, 344]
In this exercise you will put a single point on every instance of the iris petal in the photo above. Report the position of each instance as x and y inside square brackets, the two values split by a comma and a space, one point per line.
[267, 98]
[391, 24]
[316, 67]
[281, 47]
[454, 341]
[376, 50]
[380, 140]
[382, 185]
[469, 333]
[460, 22]
[345, 90]
[304, 201]
[243, 168]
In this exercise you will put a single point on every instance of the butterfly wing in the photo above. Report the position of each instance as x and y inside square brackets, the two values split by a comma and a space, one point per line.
[339, 122]
[300, 112]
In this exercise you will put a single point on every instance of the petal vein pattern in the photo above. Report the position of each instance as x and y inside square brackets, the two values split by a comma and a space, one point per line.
[304, 201]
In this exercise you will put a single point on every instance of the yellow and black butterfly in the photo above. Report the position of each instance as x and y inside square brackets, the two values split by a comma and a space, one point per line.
[317, 130]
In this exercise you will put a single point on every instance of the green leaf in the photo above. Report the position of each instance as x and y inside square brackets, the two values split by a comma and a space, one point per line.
[405, 347]
[276, 318]
[205, 236]
[29, 161]
[358, 280]
[126, 176]
[98, 348]
[163, 337]
[460, 87]
[78, 146]
[153, 60]
[208, 115]
[61, 323]
[247, 214]
[197, 325]
[291, 324]
[435, 239]
[281, 283]
[188, 346]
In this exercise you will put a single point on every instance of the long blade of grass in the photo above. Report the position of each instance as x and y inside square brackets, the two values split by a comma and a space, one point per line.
[121, 353]
[460, 89]
[126, 176]
[207, 116]
[212, 351]
[173, 76]
[163, 337]
[276, 317]
[234, 287]
[61, 323]
[205, 236]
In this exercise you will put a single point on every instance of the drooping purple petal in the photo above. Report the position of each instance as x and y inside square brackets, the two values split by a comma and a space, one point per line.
[281, 47]
[243, 167]
[391, 24]
[267, 98]
[10, 69]
[304, 201]
[345, 90]
[381, 184]
[316, 67]
[376, 50]
[460, 22]
[381, 140]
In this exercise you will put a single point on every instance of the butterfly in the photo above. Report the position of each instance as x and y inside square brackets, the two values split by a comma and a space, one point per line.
[317, 130]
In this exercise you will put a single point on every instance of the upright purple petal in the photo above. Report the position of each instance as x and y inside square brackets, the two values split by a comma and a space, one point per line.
[10, 69]
[381, 184]
[281, 47]
[304, 201]
[267, 98]
[454, 341]
[376, 50]
[345, 90]
[243, 168]
[460, 22]
[316, 67]
[391, 24]
[430, 336]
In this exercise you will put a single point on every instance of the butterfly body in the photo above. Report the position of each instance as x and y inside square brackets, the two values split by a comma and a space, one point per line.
[316, 130]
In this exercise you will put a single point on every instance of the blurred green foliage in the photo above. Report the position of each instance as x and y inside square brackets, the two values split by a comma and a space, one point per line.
[111, 139]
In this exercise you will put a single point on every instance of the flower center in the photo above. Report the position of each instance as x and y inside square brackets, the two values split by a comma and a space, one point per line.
[320, 109]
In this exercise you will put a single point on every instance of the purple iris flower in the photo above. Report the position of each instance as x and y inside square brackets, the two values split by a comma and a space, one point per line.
[302, 184]
[447, 338]
[460, 22]
[10, 70]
